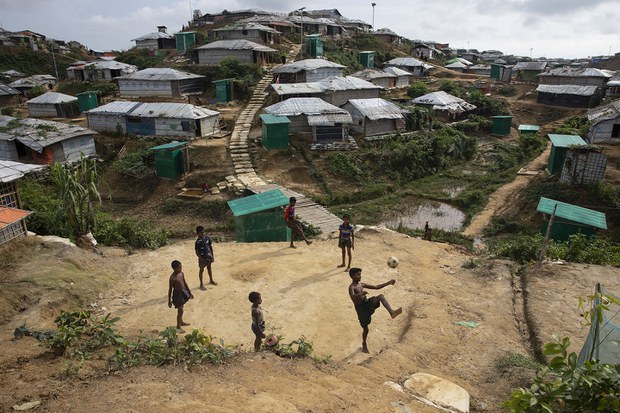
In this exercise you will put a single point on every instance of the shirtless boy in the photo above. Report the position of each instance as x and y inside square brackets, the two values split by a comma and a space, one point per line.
[365, 306]
[178, 293]
[258, 320]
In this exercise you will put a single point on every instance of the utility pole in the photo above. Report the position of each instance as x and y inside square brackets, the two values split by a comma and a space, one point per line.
[301, 33]
[531, 48]
[373, 14]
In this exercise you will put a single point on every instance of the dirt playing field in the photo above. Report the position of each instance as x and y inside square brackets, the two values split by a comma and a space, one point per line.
[303, 294]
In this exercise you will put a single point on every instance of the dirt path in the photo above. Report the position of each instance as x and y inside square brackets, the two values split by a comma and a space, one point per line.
[499, 200]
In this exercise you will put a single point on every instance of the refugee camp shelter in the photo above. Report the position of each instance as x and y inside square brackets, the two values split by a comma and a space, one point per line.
[501, 72]
[53, 105]
[411, 65]
[378, 77]
[103, 69]
[457, 66]
[171, 159]
[613, 87]
[244, 51]
[583, 165]
[179, 120]
[274, 131]
[156, 41]
[574, 96]
[160, 82]
[254, 32]
[336, 90]
[386, 35]
[528, 71]
[375, 116]
[12, 223]
[559, 147]
[307, 70]
[402, 76]
[43, 142]
[275, 22]
[426, 51]
[569, 219]
[588, 76]
[604, 123]
[259, 217]
[444, 105]
[27, 83]
[528, 129]
[8, 96]
[326, 122]
[10, 173]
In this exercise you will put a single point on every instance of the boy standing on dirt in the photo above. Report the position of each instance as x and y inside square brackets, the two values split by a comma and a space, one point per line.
[293, 223]
[258, 320]
[364, 306]
[346, 239]
[178, 293]
[204, 251]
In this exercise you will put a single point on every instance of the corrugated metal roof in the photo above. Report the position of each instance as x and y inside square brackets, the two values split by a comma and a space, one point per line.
[444, 101]
[12, 73]
[396, 71]
[568, 89]
[117, 107]
[153, 36]
[328, 119]
[530, 66]
[571, 72]
[273, 119]
[456, 65]
[157, 73]
[370, 73]
[532, 128]
[10, 216]
[335, 83]
[169, 146]
[110, 65]
[52, 98]
[317, 110]
[573, 213]
[236, 45]
[37, 134]
[6, 90]
[297, 88]
[306, 64]
[405, 61]
[610, 111]
[11, 171]
[384, 31]
[172, 110]
[240, 26]
[257, 203]
[270, 19]
[377, 108]
[564, 141]
[34, 80]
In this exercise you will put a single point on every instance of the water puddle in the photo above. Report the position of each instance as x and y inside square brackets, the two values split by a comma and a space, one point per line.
[439, 216]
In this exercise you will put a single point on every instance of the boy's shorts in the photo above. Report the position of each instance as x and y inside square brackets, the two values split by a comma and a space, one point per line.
[344, 242]
[203, 262]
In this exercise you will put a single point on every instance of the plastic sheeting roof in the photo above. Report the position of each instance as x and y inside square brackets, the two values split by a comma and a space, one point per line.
[11, 171]
[111, 65]
[329, 84]
[570, 72]
[269, 19]
[406, 61]
[33, 80]
[6, 90]
[369, 73]
[610, 111]
[306, 64]
[297, 88]
[156, 73]
[456, 65]
[444, 101]
[397, 71]
[236, 45]
[52, 98]
[154, 110]
[377, 108]
[384, 30]
[530, 66]
[317, 110]
[568, 89]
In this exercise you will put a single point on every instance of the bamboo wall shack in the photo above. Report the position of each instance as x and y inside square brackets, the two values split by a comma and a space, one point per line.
[260, 218]
[569, 219]
[559, 147]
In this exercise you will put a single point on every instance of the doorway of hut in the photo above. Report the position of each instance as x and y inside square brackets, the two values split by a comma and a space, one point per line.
[328, 134]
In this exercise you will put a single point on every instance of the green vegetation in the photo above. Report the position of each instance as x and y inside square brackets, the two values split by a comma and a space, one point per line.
[72, 87]
[575, 125]
[485, 105]
[26, 60]
[450, 237]
[513, 359]
[475, 123]
[417, 89]
[346, 51]
[36, 91]
[128, 233]
[507, 90]
[140, 58]
[137, 164]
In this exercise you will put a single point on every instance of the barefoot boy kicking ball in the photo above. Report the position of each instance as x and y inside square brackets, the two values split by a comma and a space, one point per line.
[258, 320]
[178, 293]
[364, 306]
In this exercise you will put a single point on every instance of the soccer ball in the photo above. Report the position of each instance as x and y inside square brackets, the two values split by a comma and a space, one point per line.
[272, 340]
[392, 262]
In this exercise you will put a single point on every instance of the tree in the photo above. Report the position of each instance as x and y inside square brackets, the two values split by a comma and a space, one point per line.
[417, 89]
[77, 189]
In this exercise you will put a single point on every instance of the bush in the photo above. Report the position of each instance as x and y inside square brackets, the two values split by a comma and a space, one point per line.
[72, 87]
[136, 164]
[417, 89]
[36, 91]
[344, 165]
[507, 90]
[129, 233]
[48, 217]
[8, 111]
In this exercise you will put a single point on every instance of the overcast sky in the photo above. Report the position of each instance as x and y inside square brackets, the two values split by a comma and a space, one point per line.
[552, 28]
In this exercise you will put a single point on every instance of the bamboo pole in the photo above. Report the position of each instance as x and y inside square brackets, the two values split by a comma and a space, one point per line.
[546, 241]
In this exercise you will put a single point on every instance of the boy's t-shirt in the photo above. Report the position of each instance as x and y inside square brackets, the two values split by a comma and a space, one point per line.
[289, 212]
[345, 231]
[203, 247]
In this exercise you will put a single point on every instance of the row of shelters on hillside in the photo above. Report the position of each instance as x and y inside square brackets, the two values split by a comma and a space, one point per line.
[27, 83]
[178, 120]
[252, 31]
[444, 105]
[307, 70]
[244, 51]
[334, 89]
[99, 70]
[53, 105]
[44, 142]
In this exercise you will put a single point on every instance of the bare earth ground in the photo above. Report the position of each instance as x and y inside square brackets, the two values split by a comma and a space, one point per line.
[304, 294]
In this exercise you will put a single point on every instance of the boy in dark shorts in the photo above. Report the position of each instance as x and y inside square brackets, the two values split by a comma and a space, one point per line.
[346, 239]
[204, 251]
[178, 293]
[258, 320]
[364, 306]
[293, 223]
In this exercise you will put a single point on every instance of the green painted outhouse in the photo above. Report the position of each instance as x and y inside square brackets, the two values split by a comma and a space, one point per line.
[87, 100]
[529, 129]
[275, 131]
[314, 45]
[171, 159]
[569, 219]
[367, 58]
[559, 146]
[501, 125]
[185, 41]
[494, 71]
[260, 218]
[224, 90]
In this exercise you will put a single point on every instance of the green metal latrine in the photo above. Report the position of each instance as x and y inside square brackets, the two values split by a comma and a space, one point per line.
[260, 218]
[559, 147]
[275, 131]
[314, 45]
[169, 159]
[569, 219]
[185, 41]
[367, 58]
[87, 100]
[501, 125]
[529, 129]
[224, 90]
